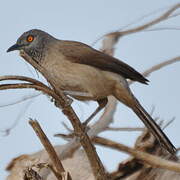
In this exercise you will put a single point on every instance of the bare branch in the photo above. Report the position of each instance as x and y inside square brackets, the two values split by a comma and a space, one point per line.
[21, 78]
[67, 128]
[143, 17]
[158, 67]
[49, 148]
[161, 65]
[24, 98]
[125, 129]
[161, 18]
[165, 16]
[64, 136]
[163, 28]
[23, 111]
[174, 15]
[168, 123]
[147, 158]
[43, 88]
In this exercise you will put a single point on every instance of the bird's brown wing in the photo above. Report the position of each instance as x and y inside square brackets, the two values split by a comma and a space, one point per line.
[77, 52]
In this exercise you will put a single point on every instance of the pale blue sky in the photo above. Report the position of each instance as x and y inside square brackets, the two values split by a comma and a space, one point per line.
[85, 21]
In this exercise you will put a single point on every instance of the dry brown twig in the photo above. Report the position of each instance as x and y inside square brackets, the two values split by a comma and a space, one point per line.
[147, 158]
[111, 128]
[57, 165]
[125, 128]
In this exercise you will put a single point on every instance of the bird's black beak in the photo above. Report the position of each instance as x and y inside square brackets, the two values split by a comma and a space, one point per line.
[14, 47]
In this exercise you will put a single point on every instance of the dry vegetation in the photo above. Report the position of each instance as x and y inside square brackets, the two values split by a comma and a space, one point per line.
[64, 162]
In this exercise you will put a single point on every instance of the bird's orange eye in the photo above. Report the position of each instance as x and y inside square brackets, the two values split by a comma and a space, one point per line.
[30, 38]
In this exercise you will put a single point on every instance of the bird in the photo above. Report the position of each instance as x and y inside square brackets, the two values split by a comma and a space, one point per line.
[87, 74]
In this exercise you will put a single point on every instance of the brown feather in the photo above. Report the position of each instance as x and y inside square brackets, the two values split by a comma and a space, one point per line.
[77, 52]
[154, 128]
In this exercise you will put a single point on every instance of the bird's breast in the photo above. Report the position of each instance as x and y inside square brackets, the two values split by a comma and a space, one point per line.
[79, 77]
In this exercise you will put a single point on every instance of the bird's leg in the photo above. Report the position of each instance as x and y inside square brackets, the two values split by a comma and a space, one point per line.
[101, 104]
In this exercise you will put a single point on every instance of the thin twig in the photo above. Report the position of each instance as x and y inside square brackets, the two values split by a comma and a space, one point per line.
[147, 158]
[21, 78]
[21, 113]
[67, 128]
[136, 128]
[161, 65]
[24, 98]
[66, 137]
[125, 129]
[158, 67]
[44, 89]
[49, 148]
[161, 18]
[168, 123]
[165, 16]
[162, 29]
[143, 17]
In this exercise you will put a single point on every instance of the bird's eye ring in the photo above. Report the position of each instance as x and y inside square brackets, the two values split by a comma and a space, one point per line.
[30, 38]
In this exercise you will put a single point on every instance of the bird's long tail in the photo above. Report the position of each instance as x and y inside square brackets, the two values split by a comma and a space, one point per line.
[153, 127]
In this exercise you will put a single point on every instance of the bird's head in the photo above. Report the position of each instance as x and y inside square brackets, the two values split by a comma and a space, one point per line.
[32, 42]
